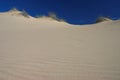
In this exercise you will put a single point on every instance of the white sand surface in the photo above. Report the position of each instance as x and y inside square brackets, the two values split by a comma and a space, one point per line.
[45, 49]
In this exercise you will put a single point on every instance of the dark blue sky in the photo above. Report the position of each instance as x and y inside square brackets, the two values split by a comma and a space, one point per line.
[73, 11]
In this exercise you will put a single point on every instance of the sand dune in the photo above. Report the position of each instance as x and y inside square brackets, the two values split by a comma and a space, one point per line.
[46, 49]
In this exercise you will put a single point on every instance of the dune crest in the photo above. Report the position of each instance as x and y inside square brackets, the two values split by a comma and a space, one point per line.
[16, 12]
[103, 19]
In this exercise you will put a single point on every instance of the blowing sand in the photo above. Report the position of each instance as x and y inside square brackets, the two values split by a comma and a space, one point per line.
[45, 49]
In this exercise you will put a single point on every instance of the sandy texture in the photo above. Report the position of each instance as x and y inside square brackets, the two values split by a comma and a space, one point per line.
[44, 49]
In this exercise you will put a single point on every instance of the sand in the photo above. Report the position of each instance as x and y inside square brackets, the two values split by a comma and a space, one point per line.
[46, 49]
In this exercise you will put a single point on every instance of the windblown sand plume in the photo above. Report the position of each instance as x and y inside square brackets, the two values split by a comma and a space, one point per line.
[45, 49]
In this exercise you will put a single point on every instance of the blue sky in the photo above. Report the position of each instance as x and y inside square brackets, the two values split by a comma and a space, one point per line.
[73, 11]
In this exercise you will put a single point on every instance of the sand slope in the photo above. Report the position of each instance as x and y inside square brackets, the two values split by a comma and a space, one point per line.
[45, 49]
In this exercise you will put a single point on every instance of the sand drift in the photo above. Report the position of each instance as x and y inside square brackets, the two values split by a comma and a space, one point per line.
[46, 49]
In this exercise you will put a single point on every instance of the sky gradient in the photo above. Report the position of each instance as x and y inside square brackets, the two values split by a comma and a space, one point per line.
[73, 11]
